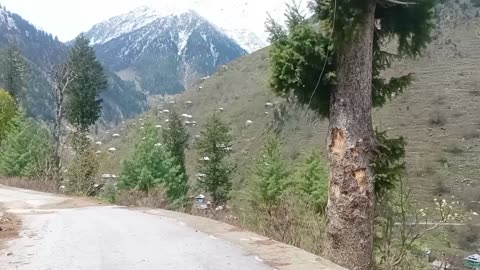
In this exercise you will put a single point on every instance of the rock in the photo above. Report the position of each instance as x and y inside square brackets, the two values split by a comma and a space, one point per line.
[248, 123]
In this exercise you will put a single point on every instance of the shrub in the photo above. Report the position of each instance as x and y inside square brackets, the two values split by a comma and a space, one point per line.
[468, 236]
[437, 119]
[271, 174]
[155, 198]
[440, 188]
[471, 134]
[25, 149]
[311, 181]
[291, 221]
[7, 112]
[150, 165]
[454, 149]
[82, 172]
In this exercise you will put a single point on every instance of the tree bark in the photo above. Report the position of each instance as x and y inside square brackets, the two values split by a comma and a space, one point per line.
[350, 210]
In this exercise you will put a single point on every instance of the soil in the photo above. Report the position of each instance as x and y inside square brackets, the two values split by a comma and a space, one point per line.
[10, 226]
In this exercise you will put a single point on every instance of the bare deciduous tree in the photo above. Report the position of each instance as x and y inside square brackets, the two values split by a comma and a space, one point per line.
[62, 77]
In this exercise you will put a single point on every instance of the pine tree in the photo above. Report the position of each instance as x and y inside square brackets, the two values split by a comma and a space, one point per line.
[15, 72]
[311, 180]
[7, 112]
[336, 71]
[150, 165]
[213, 148]
[25, 148]
[271, 174]
[83, 105]
[175, 138]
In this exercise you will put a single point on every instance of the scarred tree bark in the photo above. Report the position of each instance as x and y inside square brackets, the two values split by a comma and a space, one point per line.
[350, 211]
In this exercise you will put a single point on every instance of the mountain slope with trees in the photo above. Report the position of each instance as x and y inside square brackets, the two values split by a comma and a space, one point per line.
[437, 114]
[164, 53]
[41, 52]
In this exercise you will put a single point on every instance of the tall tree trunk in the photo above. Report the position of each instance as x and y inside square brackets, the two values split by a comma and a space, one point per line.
[57, 134]
[350, 210]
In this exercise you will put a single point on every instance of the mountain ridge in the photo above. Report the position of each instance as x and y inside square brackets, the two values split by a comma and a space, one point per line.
[43, 52]
[165, 54]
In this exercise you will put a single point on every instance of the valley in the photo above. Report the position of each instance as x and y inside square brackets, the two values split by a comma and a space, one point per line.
[168, 109]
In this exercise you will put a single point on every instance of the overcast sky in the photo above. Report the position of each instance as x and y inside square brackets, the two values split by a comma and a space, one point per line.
[67, 18]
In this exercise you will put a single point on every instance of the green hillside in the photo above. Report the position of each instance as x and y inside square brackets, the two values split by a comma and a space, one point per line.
[438, 116]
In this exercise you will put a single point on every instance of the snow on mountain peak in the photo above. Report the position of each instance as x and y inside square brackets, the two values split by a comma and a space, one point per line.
[6, 19]
[248, 40]
[131, 21]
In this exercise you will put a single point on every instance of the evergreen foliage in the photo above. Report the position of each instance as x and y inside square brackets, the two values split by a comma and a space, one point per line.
[213, 148]
[15, 81]
[83, 105]
[151, 165]
[273, 179]
[304, 51]
[83, 170]
[311, 181]
[25, 149]
[175, 139]
[271, 174]
[389, 162]
[7, 112]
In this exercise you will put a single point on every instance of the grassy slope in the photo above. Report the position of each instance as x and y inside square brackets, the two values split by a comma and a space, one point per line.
[447, 87]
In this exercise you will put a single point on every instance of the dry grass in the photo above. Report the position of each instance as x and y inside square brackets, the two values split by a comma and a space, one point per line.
[156, 198]
[10, 225]
[29, 183]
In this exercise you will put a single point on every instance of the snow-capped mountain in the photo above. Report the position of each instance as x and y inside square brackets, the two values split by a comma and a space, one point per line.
[248, 40]
[165, 52]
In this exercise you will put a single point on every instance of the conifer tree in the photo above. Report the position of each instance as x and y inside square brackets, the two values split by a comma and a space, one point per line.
[15, 80]
[25, 148]
[213, 148]
[334, 66]
[311, 180]
[150, 165]
[7, 112]
[175, 139]
[83, 105]
[271, 174]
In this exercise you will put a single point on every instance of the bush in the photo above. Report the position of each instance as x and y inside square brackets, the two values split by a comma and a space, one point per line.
[468, 237]
[271, 174]
[311, 181]
[82, 172]
[150, 165]
[437, 119]
[291, 221]
[471, 134]
[7, 112]
[440, 188]
[155, 198]
[454, 149]
[25, 148]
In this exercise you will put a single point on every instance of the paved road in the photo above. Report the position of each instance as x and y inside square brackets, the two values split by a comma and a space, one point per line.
[110, 238]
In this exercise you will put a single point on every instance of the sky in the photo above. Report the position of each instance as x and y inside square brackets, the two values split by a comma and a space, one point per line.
[68, 18]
